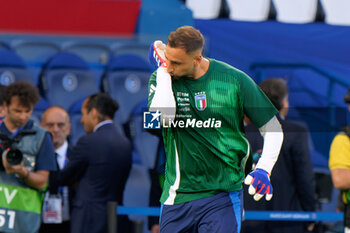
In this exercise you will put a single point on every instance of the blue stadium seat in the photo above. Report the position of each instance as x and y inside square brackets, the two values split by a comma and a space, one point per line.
[137, 189]
[35, 53]
[297, 11]
[252, 10]
[77, 129]
[95, 54]
[131, 48]
[66, 79]
[336, 12]
[209, 9]
[91, 52]
[13, 68]
[31, 50]
[4, 45]
[145, 145]
[126, 80]
[39, 109]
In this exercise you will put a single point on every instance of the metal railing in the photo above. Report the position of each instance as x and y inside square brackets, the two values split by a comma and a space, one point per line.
[114, 210]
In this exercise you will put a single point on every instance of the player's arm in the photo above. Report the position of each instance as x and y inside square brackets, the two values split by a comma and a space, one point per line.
[160, 93]
[341, 178]
[259, 179]
[262, 113]
[339, 162]
[273, 138]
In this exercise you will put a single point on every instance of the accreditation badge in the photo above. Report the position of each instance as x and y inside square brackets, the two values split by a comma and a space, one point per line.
[52, 208]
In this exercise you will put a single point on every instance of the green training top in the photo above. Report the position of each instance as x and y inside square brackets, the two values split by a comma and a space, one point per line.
[205, 145]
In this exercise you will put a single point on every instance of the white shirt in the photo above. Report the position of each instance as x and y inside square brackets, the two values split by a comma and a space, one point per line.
[62, 161]
[61, 154]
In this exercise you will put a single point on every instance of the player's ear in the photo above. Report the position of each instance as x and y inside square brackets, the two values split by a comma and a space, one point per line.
[94, 113]
[197, 59]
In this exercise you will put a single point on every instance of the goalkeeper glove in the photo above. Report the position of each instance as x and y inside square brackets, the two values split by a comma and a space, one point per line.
[259, 184]
[156, 54]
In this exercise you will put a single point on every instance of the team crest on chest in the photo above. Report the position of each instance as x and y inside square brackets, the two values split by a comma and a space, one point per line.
[200, 100]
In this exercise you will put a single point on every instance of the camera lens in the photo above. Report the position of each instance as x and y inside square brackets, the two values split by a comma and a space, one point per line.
[13, 156]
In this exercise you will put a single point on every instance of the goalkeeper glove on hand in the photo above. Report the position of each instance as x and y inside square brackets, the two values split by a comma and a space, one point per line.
[259, 184]
[156, 54]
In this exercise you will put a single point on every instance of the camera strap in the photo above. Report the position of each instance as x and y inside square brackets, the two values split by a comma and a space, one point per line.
[17, 131]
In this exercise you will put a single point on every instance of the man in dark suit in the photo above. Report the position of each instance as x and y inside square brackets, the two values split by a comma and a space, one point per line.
[56, 120]
[292, 177]
[100, 163]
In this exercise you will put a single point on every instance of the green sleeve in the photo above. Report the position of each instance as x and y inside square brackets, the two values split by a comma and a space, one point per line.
[257, 107]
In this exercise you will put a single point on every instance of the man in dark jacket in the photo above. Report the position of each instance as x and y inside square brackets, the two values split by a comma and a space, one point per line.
[100, 163]
[292, 177]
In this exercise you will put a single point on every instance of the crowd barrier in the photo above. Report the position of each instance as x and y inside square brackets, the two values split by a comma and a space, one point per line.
[113, 210]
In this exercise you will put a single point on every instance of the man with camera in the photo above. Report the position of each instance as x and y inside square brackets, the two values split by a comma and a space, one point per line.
[27, 159]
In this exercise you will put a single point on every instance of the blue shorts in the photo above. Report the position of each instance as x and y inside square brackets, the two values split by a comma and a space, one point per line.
[221, 213]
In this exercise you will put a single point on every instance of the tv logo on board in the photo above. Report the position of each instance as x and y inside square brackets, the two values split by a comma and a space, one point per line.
[151, 120]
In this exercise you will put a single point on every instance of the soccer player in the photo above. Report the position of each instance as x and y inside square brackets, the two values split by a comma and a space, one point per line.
[202, 102]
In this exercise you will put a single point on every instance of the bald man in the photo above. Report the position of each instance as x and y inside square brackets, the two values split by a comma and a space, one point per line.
[56, 120]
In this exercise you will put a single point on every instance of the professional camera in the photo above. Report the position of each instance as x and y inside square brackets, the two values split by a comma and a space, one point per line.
[7, 148]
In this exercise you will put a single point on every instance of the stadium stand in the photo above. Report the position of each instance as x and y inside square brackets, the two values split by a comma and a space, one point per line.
[337, 12]
[204, 9]
[66, 79]
[132, 47]
[4, 45]
[296, 11]
[136, 192]
[154, 14]
[95, 54]
[39, 108]
[77, 129]
[13, 68]
[249, 10]
[35, 53]
[126, 80]
[145, 145]
[35, 50]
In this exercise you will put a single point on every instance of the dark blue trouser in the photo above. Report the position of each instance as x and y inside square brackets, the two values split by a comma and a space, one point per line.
[221, 213]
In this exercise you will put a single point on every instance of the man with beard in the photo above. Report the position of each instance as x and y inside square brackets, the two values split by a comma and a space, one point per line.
[200, 104]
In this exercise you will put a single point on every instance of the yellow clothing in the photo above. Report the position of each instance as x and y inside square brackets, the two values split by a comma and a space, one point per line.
[339, 155]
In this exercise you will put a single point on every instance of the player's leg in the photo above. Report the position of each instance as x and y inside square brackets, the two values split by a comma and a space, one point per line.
[222, 214]
[177, 218]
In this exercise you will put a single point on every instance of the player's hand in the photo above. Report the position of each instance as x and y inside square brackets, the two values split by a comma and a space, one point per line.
[156, 53]
[259, 184]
